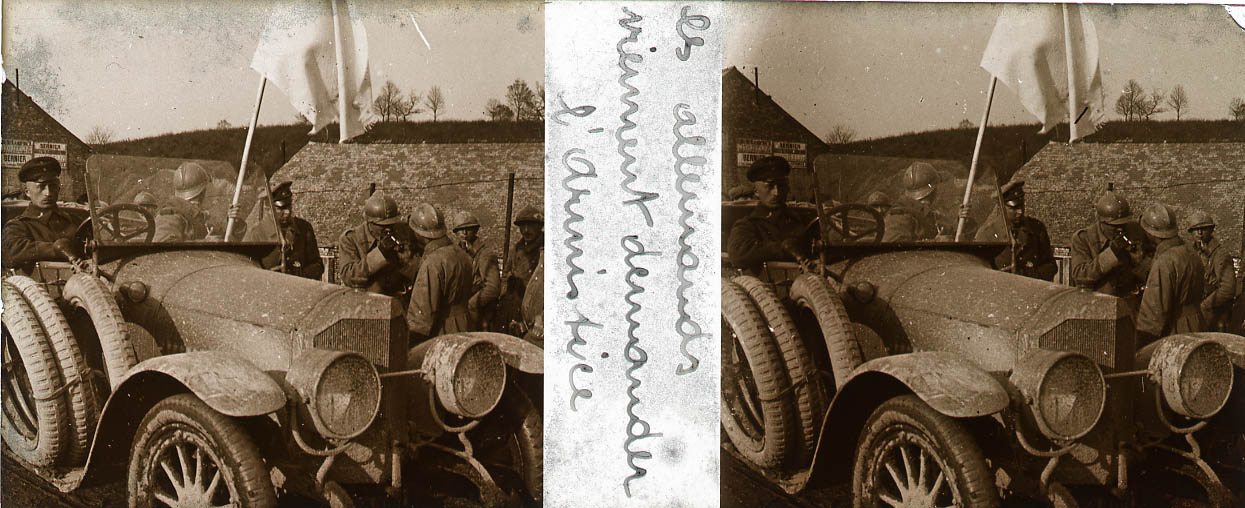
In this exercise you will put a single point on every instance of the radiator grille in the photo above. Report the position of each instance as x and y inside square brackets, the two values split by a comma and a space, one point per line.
[375, 339]
[1108, 343]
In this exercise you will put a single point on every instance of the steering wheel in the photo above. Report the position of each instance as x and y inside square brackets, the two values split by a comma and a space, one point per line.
[111, 223]
[843, 228]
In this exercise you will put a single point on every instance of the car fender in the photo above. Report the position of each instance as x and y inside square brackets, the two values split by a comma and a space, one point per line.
[225, 382]
[518, 353]
[950, 385]
[947, 382]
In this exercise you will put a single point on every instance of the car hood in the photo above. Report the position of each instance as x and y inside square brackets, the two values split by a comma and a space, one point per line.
[200, 299]
[940, 300]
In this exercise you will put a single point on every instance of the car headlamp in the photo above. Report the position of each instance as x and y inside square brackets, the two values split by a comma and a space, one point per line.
[469, 374]
[1064, 391]
[1195, 375]
[341, 389]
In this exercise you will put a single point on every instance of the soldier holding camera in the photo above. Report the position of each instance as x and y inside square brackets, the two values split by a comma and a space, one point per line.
[1109, 255]
[380, 255]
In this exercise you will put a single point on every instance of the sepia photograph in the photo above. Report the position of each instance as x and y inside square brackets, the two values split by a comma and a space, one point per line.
[982, 255]
[273, 253]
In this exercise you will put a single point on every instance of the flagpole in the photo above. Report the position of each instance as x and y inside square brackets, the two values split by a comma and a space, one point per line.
[246, 155]
[972, 169]
[341, 75]
[1073, 103]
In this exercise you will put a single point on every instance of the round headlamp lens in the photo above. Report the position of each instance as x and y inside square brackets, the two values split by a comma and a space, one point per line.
[470, 374]
[342, 390]
[1195, 375]
[1065, 392]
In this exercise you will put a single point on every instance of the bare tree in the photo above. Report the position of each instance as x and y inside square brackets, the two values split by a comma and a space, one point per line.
[1153, 104]
[300, 119]
[1237, 109]
[99, 135]
[538, 102]
[965, 124]
[1178, 100]
[520, 98]
[498, 112]
[841, 134]
[1131, 102]
[223, 124]
[408, 107]
[435, 101]
[388, 102]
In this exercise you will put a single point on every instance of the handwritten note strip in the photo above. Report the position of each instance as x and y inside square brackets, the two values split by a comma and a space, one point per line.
[632, 317]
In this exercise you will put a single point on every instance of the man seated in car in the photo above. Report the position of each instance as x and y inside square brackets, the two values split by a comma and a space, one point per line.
[772, 232]
[42, 232]
[183, 217]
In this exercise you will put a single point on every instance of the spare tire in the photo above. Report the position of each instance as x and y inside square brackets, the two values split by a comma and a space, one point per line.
[814, 292]
[80, 392]
[90, 294]
[757, 415]
[35, 425]
[810, 395]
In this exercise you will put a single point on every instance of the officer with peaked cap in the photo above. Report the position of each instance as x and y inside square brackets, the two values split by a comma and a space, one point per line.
[300, 252]
[486, 277]
[1220, 287]
[1034, 256]
[1108, 256]
[519, 268]
[42, 232]
[381, 254]
[1172, 300]
[442, 286]
[772, 232]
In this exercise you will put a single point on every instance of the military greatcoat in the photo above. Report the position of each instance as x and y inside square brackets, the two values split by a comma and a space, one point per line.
[29, 237]
[1172, 300]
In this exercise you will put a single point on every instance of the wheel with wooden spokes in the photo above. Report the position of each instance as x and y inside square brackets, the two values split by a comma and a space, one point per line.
[187, 455]
[911, 456]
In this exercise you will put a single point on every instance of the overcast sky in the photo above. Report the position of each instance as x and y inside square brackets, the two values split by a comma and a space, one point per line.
[886, 69]
[143, 68]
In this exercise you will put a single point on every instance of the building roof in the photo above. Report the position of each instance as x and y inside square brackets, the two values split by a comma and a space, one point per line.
[747, 112]
[332, 180]
[1062, 181]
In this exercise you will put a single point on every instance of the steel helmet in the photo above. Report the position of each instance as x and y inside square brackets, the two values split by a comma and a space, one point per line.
[381, 210]
[464, 220]
[190, 180]
[1113, 209]
[919, 180]
[529, 213]
[1199, 219]
[879, 198]
[145, 198]
[1159, 220]
[428, 222]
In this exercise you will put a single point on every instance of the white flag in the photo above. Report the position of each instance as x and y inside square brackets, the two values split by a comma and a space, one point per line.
[1027, 53]
[296, 53]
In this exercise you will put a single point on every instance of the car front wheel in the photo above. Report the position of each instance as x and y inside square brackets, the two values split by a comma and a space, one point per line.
[909, 455]
[187, 455]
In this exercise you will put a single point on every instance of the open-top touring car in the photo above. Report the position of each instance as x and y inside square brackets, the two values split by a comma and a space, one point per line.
[923, 376]
[201, 379]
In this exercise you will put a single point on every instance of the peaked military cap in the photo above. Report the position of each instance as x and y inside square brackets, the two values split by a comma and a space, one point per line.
[772, 167]
[39, 169]
[282, 195]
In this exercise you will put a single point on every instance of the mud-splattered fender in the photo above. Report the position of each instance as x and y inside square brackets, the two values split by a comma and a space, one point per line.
[227, 383]
[950, 384]
[518, 353]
